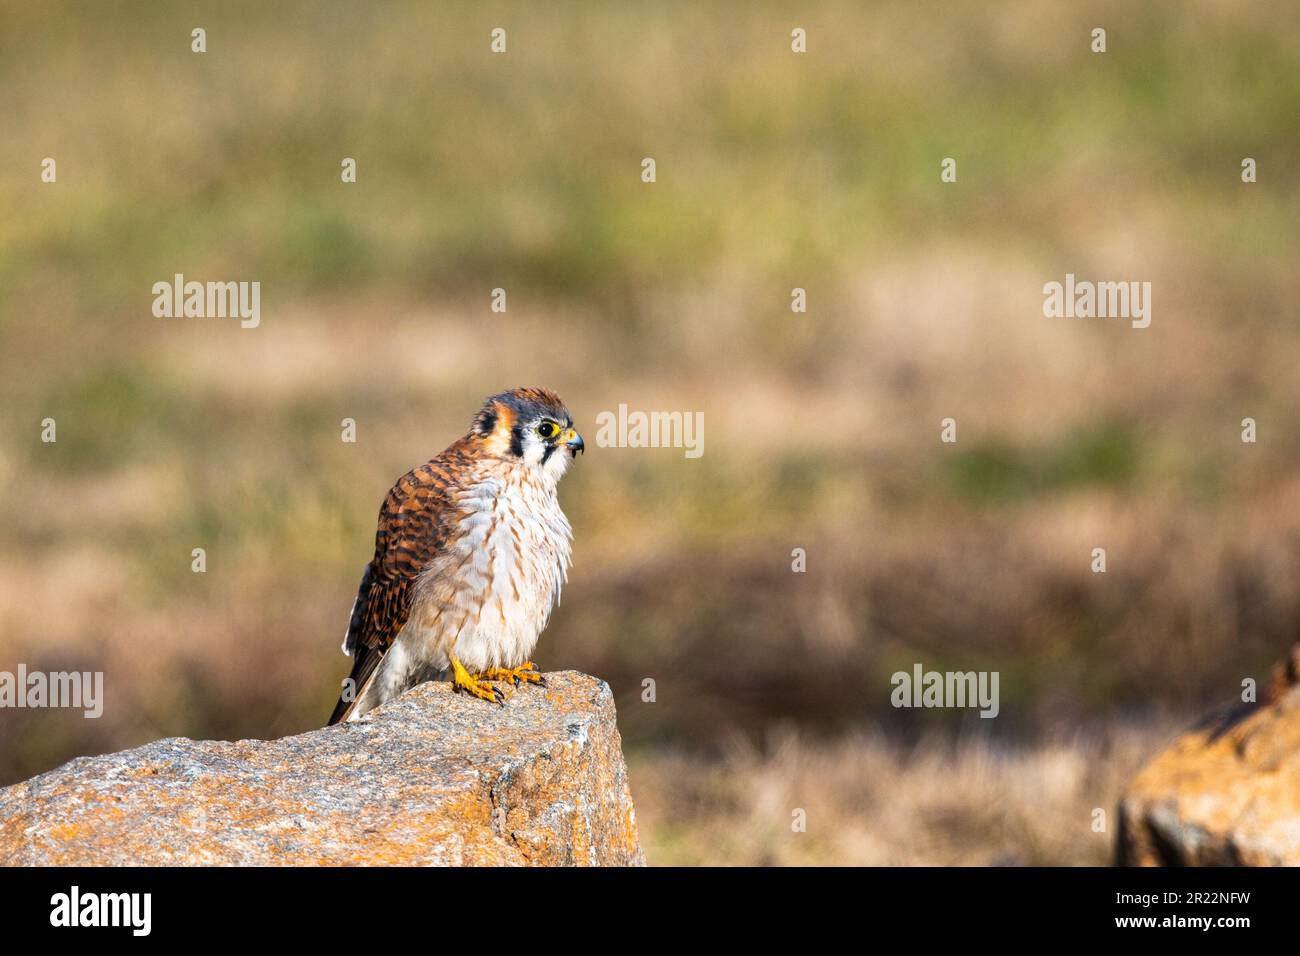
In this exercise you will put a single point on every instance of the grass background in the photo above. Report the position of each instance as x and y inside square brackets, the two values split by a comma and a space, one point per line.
[775, 171]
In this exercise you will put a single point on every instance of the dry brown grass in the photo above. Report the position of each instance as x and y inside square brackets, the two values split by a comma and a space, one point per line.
[872, 802]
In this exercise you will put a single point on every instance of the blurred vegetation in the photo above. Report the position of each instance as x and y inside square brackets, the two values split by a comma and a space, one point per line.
[775, 171]
[997, 470]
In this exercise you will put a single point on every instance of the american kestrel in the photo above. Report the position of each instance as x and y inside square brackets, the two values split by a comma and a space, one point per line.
[471, 553]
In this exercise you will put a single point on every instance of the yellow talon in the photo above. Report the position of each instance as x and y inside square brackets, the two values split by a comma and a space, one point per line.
[525, 673]
[462, 679]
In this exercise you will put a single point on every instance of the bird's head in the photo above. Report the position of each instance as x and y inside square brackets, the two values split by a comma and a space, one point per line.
[530, 425]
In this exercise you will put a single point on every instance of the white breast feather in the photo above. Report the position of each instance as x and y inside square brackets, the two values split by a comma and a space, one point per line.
[491, 595]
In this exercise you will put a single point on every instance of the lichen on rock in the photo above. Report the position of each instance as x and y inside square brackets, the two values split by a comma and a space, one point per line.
[431, 778]
[1227, 792]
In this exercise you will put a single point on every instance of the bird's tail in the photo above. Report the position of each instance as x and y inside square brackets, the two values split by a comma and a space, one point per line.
[363, 660]
[342, 710]
[355, 690]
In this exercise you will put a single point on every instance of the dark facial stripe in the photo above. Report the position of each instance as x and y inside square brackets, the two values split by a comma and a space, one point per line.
[550, 450]
[489, 422]
[517, 440]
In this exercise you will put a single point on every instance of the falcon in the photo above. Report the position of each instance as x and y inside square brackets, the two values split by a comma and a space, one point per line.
[470, 555]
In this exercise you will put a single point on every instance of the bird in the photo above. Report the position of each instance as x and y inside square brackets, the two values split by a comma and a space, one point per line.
[471, 553]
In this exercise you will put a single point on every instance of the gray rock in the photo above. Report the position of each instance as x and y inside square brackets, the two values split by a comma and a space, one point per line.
[431, 778]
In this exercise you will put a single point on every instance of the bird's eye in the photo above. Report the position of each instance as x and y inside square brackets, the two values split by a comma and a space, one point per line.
[548, 429]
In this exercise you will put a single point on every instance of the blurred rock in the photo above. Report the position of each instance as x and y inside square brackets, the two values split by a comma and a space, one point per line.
[1226, 793]
[431, 778]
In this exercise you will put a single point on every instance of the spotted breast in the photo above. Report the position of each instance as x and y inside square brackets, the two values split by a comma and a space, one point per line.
[489, 596]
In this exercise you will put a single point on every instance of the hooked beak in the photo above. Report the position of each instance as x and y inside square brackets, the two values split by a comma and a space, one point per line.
[573, 441]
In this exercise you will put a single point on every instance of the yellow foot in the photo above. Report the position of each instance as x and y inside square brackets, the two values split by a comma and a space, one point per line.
[525, 673]
[462, 679]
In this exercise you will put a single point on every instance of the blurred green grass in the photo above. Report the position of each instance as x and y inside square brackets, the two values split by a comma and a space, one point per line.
[525, 165]
[1104, 453]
